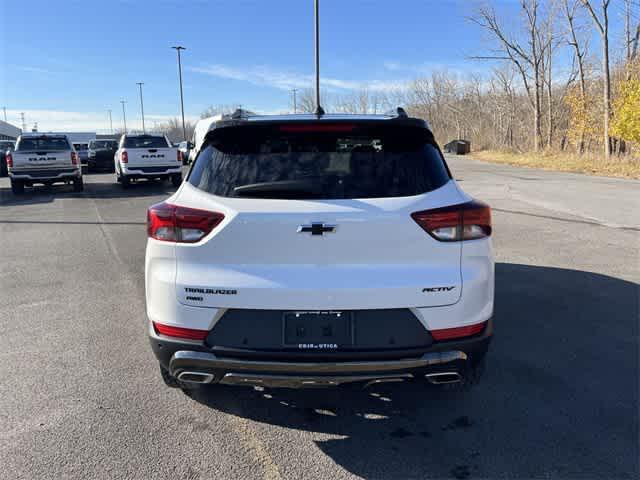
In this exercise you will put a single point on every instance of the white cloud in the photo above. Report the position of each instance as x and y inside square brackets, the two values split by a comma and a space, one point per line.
[66, 121]
[286, 80]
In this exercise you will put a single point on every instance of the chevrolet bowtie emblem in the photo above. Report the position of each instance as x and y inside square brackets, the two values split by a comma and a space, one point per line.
[317, 228]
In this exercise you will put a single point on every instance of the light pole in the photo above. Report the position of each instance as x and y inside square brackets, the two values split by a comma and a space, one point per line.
[110, 122]
[316, 8]
[141, 105]
[124, 116]
[295, 106]
[4, 109]
[177, 49]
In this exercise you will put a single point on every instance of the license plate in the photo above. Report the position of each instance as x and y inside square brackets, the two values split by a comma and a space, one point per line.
[317, 330]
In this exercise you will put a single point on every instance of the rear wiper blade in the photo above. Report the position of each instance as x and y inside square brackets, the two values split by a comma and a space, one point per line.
[283, 187]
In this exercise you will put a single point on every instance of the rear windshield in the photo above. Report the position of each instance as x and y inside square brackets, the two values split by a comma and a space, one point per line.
[43, 144]
[80, 146]
[146, 141]
[103, 144]
[282, 162]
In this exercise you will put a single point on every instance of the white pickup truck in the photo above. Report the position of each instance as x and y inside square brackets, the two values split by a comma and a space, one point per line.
[43, 158]
[147, 156]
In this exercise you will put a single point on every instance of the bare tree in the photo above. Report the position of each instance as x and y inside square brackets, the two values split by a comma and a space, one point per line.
[631, 39]
[602, 25]
[579, 51]
[212, 110]
[528, 60]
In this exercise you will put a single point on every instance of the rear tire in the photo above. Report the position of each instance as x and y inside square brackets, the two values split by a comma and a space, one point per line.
[17, 187]
[169, 380]
[172, 382]
[78, 185]
[176, 180]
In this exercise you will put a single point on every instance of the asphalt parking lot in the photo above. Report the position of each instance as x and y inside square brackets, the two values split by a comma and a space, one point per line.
[81, 395]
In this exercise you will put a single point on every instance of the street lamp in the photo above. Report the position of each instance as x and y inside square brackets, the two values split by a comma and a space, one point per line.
[124, 116]
[110, 122]
[177, 49]
[141, 105]
[295, 106]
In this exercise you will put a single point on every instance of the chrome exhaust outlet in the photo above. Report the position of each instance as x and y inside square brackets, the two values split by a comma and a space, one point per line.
[195, 377]
[440, 378]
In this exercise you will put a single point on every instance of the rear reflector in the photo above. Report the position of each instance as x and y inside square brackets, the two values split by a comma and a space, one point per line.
[317, 128]
[171, 223]
[9, 159]
[465, 221]
[179, 332]
[458, 332]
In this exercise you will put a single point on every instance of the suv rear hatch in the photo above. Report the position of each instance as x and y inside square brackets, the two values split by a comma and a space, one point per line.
[318, 216]
[42, 152]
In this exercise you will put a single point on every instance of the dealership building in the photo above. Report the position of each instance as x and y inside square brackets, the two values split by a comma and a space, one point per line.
[8, 131]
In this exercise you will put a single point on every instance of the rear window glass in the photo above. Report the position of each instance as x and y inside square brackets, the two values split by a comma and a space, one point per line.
[43, 144]
[103, 144]
[80, 146]
[275, 162]
[146, 141]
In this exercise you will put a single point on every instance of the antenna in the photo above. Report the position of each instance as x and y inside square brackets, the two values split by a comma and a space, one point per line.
[316, 8]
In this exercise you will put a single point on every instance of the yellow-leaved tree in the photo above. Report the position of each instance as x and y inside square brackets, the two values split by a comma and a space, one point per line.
[626, 118]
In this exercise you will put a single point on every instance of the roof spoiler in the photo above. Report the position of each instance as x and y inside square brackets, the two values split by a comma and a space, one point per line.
[397, 112]
[240, 114]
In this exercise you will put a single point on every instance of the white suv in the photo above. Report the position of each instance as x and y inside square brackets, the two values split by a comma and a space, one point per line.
[308, 250]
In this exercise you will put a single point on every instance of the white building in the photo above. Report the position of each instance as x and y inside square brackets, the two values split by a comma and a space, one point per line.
[8, 131]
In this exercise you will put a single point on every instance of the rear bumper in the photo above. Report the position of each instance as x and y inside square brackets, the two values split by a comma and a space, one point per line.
[151, 171]
[293, 370]
[42, 175]
[100, 162]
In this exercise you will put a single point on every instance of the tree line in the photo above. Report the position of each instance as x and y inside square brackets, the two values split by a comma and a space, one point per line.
[547, 84]
[533, 98]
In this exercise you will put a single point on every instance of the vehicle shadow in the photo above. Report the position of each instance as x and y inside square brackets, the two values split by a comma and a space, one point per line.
[560, 397]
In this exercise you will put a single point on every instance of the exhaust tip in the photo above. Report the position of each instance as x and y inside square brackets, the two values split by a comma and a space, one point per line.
[195, 377]
[440, 378]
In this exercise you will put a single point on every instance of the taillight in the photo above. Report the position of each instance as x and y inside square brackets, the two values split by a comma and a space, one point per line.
[171, 223]
[74, 158]
[9, 159]
[180, 332]
[465, 221]
[458, 332]
[124, 157]
[180, 157]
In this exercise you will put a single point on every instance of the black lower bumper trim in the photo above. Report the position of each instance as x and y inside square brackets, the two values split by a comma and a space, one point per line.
[474, 347]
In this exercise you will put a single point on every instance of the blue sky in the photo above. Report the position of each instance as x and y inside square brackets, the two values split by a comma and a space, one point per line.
[64, 63]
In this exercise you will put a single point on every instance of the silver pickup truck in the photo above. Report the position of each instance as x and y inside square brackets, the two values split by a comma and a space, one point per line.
[43, 158]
